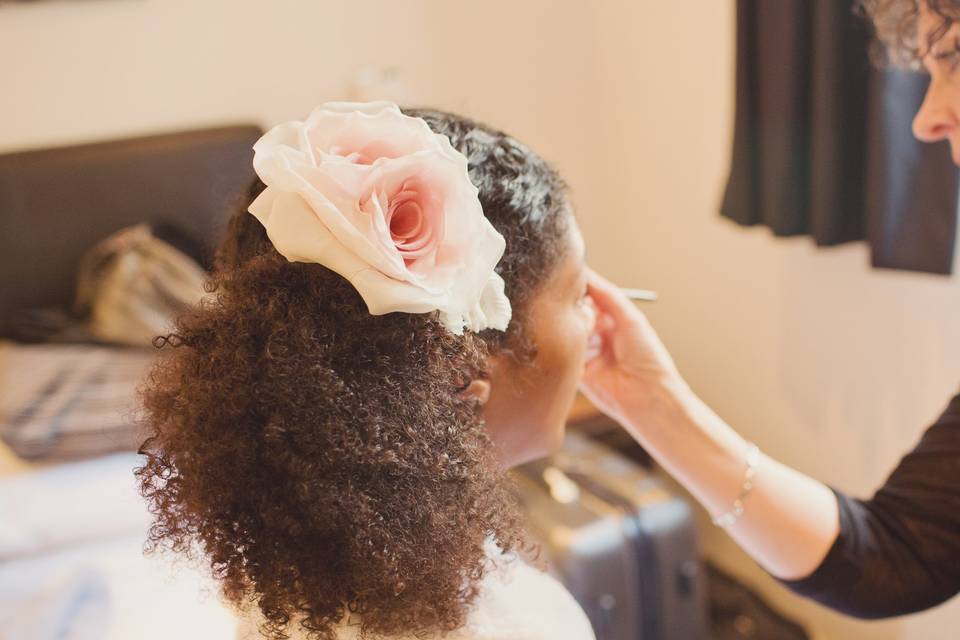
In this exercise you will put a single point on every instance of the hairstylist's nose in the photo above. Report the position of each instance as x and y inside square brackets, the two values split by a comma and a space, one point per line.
[936, 118]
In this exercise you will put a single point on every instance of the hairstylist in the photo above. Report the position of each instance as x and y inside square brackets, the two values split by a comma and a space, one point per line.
[896, 553]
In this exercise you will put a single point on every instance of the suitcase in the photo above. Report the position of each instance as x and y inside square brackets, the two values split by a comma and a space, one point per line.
[621, 544]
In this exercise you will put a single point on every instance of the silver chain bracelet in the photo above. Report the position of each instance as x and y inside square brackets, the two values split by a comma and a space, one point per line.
[727, 519]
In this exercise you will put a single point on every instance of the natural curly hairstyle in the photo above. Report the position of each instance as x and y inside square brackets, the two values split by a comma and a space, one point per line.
[320, 458]
[895, 27]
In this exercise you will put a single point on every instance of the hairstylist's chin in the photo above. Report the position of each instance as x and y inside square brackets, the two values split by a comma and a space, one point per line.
[955, 152]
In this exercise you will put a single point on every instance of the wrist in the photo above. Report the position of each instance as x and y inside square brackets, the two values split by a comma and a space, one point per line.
[663, 401]
[672, 416]
[695, 445]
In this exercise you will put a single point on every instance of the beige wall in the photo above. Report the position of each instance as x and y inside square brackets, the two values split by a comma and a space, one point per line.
[827, 364]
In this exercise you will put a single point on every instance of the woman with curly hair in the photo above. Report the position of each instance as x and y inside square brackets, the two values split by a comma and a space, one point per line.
[397, 315]
[896, 553]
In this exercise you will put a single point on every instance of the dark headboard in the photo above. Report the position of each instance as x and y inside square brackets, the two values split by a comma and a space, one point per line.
[56, 203]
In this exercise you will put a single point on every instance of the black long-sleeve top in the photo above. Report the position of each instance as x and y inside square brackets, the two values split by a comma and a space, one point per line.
[898, 552]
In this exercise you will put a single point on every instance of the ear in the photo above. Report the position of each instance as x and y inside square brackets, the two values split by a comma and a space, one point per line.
[478, 389]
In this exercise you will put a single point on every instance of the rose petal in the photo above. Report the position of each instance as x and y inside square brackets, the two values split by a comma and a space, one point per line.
[296, 232]
[373, 130]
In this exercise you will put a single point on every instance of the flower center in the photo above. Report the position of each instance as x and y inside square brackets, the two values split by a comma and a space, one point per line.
[406, 221]
[410, 228]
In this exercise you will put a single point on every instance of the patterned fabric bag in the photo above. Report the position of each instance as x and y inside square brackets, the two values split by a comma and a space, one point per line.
[132, 284]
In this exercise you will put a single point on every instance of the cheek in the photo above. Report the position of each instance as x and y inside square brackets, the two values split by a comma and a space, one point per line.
[578, 325]
[561, 352]
[529, 405]
[945, 92]
[952, 95]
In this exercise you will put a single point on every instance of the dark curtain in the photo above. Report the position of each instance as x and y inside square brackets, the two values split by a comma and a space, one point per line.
[822, 139]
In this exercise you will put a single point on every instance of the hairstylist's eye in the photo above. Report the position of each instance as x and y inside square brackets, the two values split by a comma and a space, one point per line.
[950, 56]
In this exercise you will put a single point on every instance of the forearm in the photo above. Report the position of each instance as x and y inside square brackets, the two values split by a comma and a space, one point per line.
[790, 520]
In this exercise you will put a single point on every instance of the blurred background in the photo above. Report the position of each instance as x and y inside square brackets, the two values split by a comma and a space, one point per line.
[830, 365]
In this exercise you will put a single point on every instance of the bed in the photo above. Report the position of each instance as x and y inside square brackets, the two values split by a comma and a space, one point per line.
[72, 532]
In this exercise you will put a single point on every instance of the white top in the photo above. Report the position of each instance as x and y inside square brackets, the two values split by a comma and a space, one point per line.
[515, 602]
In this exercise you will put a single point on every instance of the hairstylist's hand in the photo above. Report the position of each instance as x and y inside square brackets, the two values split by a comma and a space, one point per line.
[629, 368]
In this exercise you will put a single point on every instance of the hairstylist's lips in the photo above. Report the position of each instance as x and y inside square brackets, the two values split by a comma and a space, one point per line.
[954, 150]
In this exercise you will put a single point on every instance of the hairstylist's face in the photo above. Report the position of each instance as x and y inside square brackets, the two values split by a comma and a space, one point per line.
[939, 115]
[528, 404]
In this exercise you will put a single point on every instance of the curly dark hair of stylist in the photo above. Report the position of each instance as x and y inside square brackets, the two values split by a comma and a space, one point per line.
[319, 457]
[895, 25]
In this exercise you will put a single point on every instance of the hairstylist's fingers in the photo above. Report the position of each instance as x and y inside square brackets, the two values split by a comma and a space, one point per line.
[612, 304]
[608, 297]
[604, 324]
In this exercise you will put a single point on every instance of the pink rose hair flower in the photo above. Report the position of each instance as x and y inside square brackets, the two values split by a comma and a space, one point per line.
[385, 202]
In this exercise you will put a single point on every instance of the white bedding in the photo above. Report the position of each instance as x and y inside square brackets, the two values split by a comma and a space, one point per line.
[70, 504]
[72, 566]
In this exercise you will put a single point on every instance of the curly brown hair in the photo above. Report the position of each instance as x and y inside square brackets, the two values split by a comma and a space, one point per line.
[895, 26]
[319, 457]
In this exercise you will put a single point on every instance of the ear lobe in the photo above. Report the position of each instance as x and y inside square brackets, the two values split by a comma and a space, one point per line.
[478, 389]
